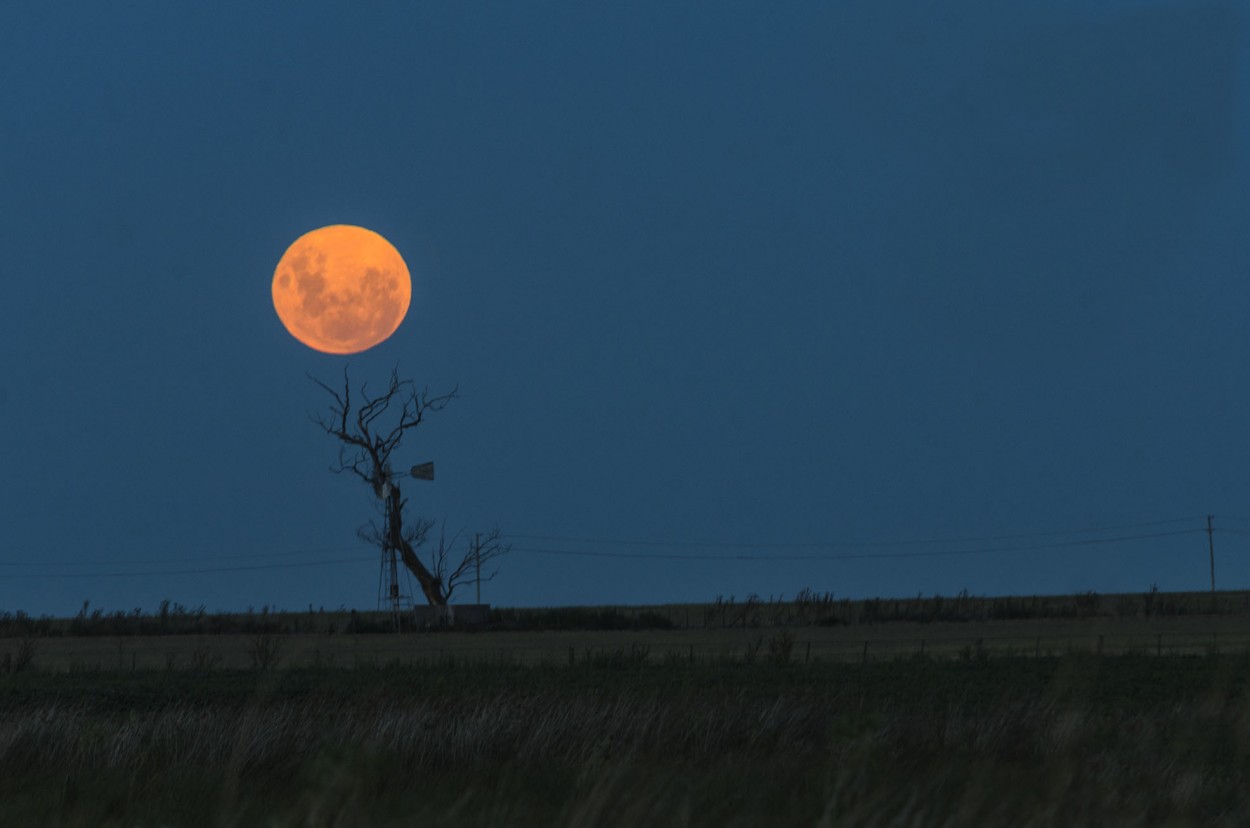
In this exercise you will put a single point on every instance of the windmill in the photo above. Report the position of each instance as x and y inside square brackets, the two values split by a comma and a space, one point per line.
[390, 595]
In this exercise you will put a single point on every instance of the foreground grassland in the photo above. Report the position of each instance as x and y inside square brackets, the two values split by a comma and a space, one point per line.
[621, 737]
[1053, 710]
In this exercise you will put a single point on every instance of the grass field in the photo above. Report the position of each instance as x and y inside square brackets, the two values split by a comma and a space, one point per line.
[807, 627]
[1072, 740]
[659, 724]
[1186, 635]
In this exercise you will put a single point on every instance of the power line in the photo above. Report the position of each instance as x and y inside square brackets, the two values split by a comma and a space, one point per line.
[202, 570]
[859, 544]
[860, 555]
[152, 561]
[165, 562]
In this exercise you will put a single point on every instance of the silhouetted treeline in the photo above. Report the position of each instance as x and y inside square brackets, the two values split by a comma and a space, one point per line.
[809, 607]
[805, 608]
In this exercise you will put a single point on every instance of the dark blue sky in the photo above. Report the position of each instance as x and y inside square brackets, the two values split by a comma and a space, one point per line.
[705, 274]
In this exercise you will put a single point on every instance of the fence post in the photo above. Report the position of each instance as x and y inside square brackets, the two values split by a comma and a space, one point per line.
[1037, 647]
[808, 656]
[570, 656]
[1159, 644]
[865, 656]
[1100, 645]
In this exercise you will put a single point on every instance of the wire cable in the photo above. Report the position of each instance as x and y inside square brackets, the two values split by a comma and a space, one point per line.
[198, 571]
[173, 561]
[366, 554]
[859, 555]
[863, 544]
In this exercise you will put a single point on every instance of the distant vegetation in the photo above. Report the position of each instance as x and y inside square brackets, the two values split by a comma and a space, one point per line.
[805, 608]
[809, 607]
[175, 619]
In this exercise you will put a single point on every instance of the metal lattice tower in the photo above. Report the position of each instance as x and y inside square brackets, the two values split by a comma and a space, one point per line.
[390, 597]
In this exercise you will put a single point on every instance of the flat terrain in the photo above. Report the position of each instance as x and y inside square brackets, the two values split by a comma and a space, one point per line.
[1031, 637]
[1073, 740]
[1066, 711]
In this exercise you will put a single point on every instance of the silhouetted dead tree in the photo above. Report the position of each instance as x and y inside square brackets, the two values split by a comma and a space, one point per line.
[454, 568]
[369, 431]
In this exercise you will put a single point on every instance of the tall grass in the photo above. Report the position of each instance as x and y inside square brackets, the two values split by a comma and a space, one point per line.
[1071, 741]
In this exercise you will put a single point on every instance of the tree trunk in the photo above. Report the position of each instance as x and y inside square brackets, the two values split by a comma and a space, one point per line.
[431, 586]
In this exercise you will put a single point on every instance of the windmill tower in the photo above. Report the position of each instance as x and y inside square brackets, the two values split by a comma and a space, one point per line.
[390, 596]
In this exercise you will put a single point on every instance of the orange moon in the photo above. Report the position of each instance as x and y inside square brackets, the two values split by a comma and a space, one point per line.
[341, 289]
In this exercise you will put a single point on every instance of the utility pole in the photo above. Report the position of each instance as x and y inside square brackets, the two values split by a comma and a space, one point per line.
[1211, 549]
[477, 561]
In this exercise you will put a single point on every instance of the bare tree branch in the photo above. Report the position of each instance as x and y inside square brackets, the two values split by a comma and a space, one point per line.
[365, 449]
[490, 547]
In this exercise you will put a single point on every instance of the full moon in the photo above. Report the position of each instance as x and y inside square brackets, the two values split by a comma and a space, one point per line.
[341, 289]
